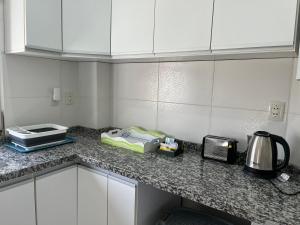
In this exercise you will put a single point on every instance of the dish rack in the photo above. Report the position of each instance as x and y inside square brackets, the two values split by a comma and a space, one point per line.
[37, 137]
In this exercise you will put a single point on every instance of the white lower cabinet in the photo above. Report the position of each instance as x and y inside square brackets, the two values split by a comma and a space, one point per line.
[92, 197]
[17, 204]
[121, 202]
[130, 203]
[56, 198]
[82, 196]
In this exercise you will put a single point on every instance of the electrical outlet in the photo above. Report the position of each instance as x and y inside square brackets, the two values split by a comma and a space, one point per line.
[68, 98]
[276, 111]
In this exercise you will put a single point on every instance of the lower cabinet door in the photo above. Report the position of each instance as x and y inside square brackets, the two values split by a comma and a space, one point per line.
[17, 205]
[121, 202]
[56, 198]
[92, 197]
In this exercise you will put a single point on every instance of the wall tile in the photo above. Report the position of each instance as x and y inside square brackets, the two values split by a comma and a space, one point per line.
[30, 77]
[252, 84]
[105, 80]
[69, 77]
[87, 81]
[295, 92]
[293, 138]
[104, 112]
[135, 113]
[105, 97]
[69, 113]
[28, 82]
[136, 80]
[28, 111]
[95, 90]
[238, 124]
[87, 112]
[187, 122]
[186, 82]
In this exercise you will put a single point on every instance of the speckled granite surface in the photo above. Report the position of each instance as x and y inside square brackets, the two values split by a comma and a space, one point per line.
[220, 186]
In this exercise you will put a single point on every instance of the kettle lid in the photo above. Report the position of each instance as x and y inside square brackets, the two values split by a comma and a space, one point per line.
[262, 134]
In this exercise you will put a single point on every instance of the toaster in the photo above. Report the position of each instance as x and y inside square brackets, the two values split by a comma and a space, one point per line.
[219, 148]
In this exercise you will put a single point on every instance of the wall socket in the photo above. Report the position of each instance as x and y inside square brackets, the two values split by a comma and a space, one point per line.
[68, 98]
[276, 110]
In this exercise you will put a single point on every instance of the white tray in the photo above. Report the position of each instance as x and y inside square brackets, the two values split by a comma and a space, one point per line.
[24, 133]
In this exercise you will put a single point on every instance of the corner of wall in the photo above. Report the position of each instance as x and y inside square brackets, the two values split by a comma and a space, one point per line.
[95, 94]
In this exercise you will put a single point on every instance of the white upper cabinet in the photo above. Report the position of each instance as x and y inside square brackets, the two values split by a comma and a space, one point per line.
[151, 30]
[132, 26]
[183, 25]
[43, 24]
[86, 26]
[17, 204]
[240, 24]
[33, 24]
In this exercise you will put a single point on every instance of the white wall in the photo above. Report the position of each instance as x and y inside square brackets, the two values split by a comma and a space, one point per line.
[95, 96]
[293, 131]
[28, 84]
[192, 99]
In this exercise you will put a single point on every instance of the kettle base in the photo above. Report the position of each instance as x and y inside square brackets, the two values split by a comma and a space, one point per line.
[265, 174]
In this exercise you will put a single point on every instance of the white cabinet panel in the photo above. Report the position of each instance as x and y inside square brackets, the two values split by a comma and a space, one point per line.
[43, 24]
[253, 23]
[132, 26]
[92, 198]
[86, 26]
[121, 202]
[182, 25]
[17, 205]
[56, 198]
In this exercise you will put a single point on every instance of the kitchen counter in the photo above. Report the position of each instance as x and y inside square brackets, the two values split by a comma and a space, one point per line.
[217, 185]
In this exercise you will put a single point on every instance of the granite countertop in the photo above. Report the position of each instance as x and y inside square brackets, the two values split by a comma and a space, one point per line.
[214, 184]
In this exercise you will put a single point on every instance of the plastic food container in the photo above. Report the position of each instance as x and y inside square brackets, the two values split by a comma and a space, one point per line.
[29, 136]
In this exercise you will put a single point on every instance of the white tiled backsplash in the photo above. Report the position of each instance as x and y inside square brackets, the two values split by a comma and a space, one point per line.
[185, 99]
[192, 99]
[28, 84]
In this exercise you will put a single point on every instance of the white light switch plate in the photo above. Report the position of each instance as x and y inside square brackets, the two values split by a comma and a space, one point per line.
[276, 111]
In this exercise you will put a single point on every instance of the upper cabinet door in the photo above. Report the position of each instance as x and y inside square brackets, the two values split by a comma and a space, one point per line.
[183, 25]
[253, 23]
[132, 26]
[86, 26]
[43, 25]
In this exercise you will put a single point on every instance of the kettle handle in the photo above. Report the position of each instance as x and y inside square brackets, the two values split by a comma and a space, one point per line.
[286, 148]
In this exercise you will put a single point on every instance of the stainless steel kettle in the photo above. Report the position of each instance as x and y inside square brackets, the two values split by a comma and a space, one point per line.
[262, 155]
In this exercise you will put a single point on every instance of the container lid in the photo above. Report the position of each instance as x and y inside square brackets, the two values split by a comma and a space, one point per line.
[262, 134]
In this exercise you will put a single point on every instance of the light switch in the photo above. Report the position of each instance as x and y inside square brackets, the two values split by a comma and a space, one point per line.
[56, 95]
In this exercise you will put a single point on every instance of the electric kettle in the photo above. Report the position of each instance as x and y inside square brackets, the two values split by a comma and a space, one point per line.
[262, 155]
